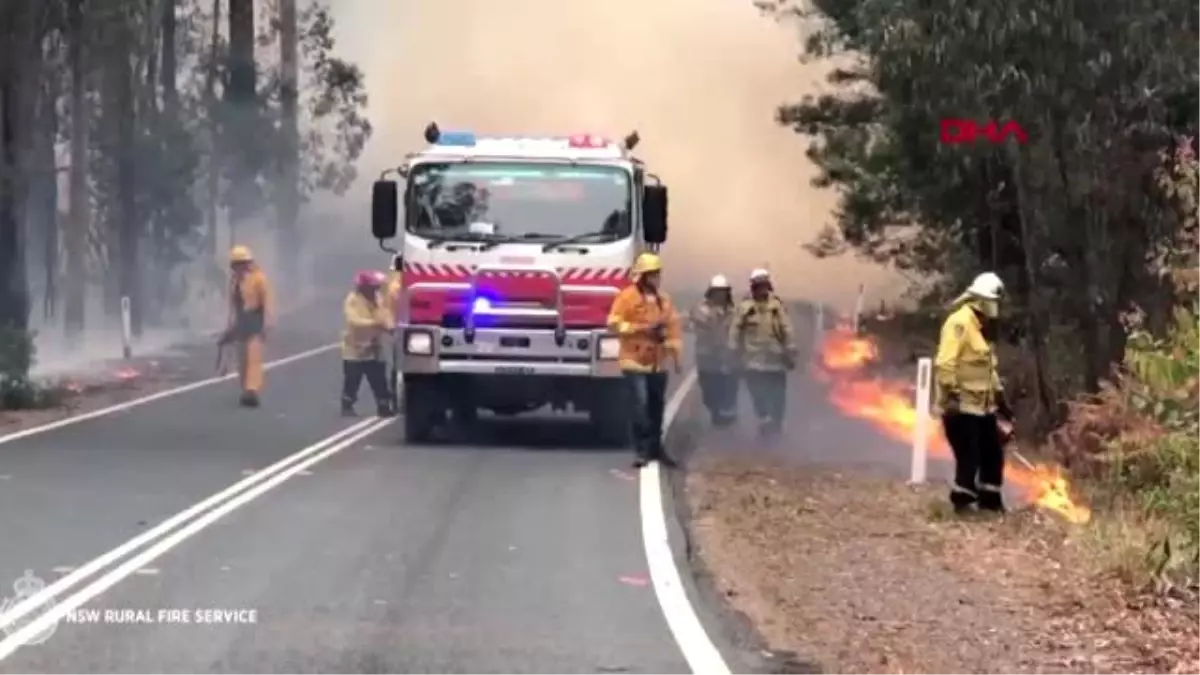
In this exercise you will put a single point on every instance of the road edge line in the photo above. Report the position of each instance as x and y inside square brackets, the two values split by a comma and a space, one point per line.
[150, 398]
[693, 641]
[165, 527]
[72, 602]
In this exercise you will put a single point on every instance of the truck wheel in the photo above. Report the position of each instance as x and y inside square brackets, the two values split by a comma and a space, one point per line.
[422, 409]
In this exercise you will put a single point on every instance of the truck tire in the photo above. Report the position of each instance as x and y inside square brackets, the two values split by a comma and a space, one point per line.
[422, 409]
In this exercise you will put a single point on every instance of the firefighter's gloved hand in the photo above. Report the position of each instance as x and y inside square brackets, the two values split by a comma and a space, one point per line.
[951, 405]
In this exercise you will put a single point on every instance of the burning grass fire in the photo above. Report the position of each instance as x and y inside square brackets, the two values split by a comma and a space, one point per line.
[888, 405]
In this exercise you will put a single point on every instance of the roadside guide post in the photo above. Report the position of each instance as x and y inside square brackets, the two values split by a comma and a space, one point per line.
[126, 329]
[920, 441]
[858, 306]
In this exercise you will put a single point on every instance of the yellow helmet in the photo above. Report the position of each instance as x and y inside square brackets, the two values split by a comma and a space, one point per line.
[646, 263]
[240, 254]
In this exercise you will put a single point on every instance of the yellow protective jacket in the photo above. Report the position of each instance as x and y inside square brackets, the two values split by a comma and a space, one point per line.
[761, 333]
[710, 323]
[965, 364]
[366, 324]
[251, 304]
[391, 294]
[631, 317]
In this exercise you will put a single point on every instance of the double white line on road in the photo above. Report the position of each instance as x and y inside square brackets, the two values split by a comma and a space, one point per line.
[165, 536]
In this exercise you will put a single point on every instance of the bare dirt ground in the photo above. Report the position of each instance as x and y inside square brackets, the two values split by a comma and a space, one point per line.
[867, 575]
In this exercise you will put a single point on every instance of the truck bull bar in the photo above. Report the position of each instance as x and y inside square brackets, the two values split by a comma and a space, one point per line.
[487, 270]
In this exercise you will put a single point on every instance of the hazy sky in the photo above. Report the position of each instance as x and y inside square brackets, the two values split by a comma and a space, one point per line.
[699, 80]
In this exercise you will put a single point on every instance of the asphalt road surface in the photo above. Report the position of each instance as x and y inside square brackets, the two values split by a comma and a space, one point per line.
[519, 551]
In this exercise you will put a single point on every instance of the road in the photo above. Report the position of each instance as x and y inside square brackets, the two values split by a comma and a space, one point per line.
[519, 551]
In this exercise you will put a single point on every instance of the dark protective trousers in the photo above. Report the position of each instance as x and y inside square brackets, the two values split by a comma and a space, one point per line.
[768, 394]
[719, 392]
[375, 372]
[978, 460]
[647, 396]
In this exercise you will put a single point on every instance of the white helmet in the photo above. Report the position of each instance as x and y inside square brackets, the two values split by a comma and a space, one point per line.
[760, 274]
[987, 286]
[719, 281]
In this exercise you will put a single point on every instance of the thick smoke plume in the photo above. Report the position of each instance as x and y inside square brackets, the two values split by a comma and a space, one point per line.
[699, 79]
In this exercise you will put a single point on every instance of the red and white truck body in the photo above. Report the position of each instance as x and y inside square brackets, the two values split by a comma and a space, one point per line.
[513, 250]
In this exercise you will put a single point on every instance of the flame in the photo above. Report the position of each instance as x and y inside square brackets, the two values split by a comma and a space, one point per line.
[889, 407]
[126, 374]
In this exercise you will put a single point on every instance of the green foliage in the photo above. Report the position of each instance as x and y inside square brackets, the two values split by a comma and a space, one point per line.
[1070, 219]
[16, 357]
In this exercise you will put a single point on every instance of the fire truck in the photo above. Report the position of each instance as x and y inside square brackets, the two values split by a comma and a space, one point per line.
[513, 249]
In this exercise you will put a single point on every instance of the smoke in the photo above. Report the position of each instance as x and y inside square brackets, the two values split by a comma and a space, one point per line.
[699, 80]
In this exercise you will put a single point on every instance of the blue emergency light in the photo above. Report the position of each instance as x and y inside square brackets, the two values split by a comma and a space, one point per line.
[481, 305]
[462, 139]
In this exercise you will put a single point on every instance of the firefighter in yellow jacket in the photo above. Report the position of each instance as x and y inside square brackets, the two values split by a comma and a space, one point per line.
[710, 321]
[367, 322]
[650, 334]
[251, 313]
[761, 335]
[970, 396]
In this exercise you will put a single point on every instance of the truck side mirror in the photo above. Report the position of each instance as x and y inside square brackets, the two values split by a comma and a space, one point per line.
[654, 213]
[384, 209]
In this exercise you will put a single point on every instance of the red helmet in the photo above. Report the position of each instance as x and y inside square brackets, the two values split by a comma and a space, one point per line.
[370, 278]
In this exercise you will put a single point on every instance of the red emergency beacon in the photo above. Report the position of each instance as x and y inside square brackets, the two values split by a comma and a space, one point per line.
[588, 141]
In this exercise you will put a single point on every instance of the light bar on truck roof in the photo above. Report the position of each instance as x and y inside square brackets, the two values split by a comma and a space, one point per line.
[460, 139]
[588, 142]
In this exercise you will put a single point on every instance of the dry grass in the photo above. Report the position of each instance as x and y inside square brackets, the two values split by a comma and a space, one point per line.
[867, 575]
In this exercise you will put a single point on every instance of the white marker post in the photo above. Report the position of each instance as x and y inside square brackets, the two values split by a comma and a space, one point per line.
[920, 441]
[858, 306]
[819, 331]
[126, 328]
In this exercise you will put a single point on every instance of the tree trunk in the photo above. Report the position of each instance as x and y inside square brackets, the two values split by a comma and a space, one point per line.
[1038, 331]
[46, 187]
[215, 161]
[130, 223]
[77, 229]
[240, 94]
[289, 193]
[169, 65]
[14, 290]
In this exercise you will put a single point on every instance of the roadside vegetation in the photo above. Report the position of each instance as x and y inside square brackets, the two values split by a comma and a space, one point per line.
[1092, 222]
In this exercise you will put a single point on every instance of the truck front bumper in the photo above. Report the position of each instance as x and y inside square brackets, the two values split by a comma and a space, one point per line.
[432, 350]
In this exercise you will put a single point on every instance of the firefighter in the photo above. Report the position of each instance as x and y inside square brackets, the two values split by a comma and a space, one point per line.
[710, 321]
[650, 334]
[970, 396]
[761, 336]
[251, 313]
[367, 321]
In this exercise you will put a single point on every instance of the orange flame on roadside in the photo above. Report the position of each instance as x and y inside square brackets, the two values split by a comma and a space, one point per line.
[889, 407]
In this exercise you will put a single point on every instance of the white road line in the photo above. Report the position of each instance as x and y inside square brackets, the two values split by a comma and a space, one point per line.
[81, 573]
[157, 396]
[697, 647]
[72, 602]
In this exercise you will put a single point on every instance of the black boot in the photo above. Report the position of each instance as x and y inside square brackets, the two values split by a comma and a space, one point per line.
[990, 500]
[249, 399]
[384, 409]
[963, 502]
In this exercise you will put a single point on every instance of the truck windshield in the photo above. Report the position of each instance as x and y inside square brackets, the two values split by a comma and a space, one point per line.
[496, 201]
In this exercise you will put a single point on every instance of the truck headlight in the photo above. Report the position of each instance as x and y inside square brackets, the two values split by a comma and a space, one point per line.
[418, 342]
[608, 348]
